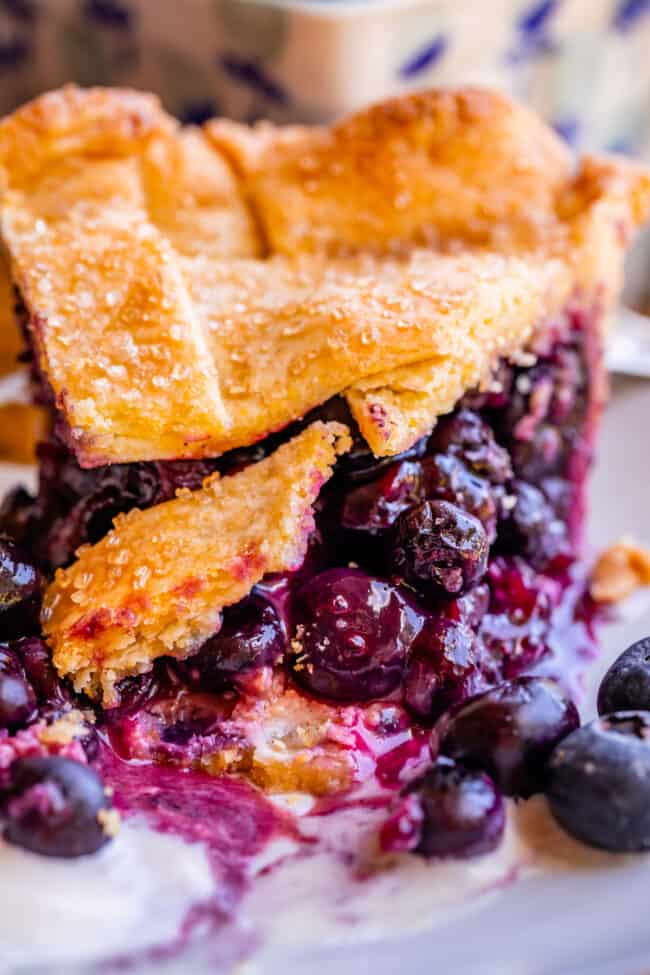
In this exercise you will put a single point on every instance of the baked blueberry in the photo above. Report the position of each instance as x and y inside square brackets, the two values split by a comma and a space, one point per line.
[20, 580]
[374, 506]
[17, 698]
[450, 811]
[352, 637]
[599, 782]
[446, 478]
[443, 667]
[509, 732]
[626, 685]
[532, 528]
[36, 659]
[440, 549]
[53, 806]
[135, 692]
[252, 635]
[20, 591]
[466, 435]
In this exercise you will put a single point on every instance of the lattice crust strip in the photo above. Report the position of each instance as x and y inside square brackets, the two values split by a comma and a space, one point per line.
[156, 584]
[166, 329]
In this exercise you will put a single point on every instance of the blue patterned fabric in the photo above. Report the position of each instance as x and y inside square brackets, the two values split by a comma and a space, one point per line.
[582, 63]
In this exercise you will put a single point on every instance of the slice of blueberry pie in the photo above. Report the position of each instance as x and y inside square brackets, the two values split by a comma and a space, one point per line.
[306, 537]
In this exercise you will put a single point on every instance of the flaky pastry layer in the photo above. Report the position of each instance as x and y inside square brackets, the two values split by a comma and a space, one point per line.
[156, 584]
[456, 171]
[185, 300]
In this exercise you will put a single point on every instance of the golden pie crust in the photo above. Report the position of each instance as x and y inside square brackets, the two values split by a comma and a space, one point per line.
[191, 292]
[156, 584]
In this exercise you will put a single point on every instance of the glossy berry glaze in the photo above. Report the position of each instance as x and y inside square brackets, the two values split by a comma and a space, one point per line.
[430, 578]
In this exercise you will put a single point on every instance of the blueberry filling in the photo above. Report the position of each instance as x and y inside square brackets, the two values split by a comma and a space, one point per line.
[444, 667]
[431, 579]
[252, 635]
[439, 549]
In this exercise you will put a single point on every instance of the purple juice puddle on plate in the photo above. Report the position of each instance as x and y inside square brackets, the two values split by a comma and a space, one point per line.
[230, 818]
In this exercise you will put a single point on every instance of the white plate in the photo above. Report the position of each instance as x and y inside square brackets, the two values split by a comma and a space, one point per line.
[588, 920]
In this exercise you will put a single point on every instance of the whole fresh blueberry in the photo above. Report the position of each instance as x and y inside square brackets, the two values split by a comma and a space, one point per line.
[52, 807]
[17, 698]
[446, 478]
[509, 732]
[448, 812]
[439, 549]
[443, 667]
[466, 435]
[599, 782]
[626, 685]
[252, 635]
[353, 634]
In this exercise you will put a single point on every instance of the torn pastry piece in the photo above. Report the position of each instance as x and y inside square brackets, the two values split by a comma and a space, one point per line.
[466, 169]
[620, 570]
[155, 585]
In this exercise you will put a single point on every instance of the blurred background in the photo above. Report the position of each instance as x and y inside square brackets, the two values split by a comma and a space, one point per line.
[584, 64]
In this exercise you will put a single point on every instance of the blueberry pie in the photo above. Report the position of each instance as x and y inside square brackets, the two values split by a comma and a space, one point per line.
[306, 538]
